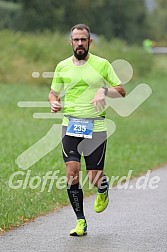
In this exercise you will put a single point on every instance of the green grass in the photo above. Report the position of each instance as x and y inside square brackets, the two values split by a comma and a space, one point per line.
[139, 143]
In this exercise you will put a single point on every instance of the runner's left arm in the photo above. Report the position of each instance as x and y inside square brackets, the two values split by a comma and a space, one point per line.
[112, 88]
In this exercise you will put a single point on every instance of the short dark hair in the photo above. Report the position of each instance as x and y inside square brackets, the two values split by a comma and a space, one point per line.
[81, 27]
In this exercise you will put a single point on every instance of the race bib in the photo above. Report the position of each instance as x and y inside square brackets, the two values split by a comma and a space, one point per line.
[79, 127]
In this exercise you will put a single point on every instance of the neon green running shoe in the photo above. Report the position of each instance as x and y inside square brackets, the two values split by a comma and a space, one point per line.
[101, 202]
[80, 229]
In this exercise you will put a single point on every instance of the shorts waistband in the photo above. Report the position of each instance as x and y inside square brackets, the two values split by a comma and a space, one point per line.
[88, 118]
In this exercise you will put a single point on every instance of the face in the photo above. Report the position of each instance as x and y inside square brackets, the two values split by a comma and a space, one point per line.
[80, 42]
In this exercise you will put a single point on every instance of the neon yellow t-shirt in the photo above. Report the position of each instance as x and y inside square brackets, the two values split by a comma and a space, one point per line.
[79, 85]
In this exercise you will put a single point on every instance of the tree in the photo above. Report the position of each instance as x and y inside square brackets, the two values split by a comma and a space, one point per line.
[128, 19]
[8, 12]
[38, 15]
[111, 18]
[158, 21]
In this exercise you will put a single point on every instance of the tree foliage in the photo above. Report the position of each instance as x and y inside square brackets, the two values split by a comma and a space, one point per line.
[8, 12]
[127, 20]
[158, 22]
[111, 18]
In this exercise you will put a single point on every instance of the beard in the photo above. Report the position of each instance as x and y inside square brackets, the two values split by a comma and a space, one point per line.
[81, 55]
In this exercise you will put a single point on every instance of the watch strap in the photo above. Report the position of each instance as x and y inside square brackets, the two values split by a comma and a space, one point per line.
[105, 90]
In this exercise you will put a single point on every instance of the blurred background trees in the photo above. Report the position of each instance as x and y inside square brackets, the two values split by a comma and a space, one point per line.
[130, 20]
[158, 20]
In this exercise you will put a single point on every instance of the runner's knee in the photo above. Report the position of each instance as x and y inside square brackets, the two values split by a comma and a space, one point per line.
[72, 172]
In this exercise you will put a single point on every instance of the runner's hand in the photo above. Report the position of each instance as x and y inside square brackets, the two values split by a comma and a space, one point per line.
[99, 100]
[55, 106]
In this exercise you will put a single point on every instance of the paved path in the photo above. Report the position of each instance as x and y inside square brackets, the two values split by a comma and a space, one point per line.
[136, 220]
[159, 50]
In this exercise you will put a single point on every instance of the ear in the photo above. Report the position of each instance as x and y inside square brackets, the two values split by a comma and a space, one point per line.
[90, 41]
[70, 41]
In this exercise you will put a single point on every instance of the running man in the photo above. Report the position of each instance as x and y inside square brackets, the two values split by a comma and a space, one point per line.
[85, 80]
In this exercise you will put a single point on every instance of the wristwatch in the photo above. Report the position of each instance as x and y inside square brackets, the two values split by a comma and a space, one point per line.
[105, 90]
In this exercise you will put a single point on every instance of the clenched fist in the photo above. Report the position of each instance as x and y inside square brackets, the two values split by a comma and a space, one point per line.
[55, 106]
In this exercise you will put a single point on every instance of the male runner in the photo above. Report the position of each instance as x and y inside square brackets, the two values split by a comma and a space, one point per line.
[85, 80]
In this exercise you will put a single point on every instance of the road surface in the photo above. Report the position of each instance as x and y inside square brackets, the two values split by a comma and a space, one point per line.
[159, 50]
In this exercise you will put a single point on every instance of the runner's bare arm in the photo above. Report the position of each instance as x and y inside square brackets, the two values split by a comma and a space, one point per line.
[113, 92]
[54, 101]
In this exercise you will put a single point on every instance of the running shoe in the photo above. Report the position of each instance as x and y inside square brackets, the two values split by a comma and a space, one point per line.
[101, 201]
[80, 229]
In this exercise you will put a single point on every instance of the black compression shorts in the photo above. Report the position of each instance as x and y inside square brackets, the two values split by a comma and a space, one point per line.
[93, 149]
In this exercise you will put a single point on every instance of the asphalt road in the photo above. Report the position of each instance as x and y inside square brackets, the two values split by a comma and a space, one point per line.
[135, 220]
[159, 50]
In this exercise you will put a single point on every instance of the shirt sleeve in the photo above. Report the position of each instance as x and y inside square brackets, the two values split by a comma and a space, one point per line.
[57, 82]
[110, 75]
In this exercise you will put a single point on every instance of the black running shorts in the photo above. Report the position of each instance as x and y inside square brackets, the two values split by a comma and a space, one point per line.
[93, 149]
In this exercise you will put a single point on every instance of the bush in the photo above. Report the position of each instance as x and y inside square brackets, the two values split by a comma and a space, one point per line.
[24, 53]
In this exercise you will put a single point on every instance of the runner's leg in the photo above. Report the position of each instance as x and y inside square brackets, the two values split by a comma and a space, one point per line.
[72, 161]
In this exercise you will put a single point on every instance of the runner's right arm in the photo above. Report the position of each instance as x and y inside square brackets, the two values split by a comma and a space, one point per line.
[54, 101]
